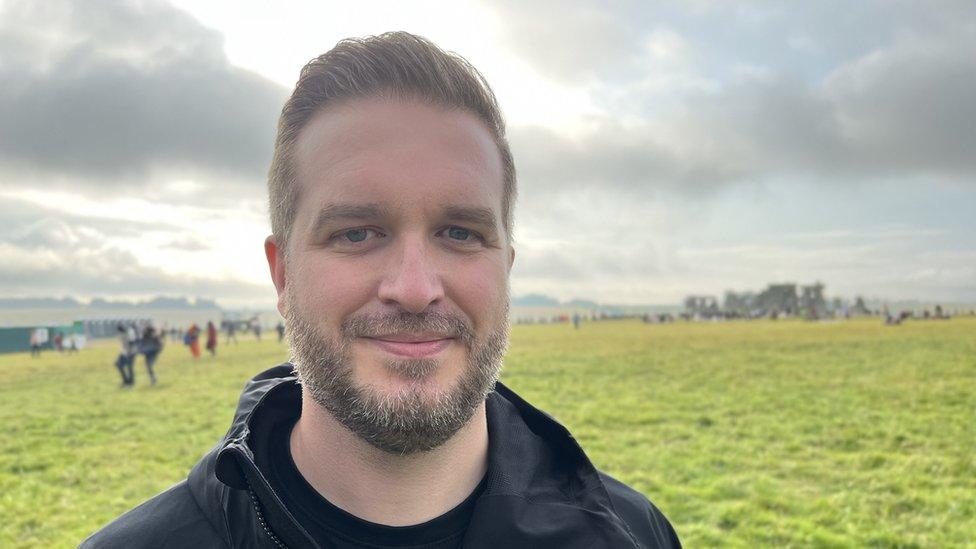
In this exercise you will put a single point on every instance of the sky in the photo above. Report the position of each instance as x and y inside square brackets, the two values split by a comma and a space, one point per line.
[662, 149]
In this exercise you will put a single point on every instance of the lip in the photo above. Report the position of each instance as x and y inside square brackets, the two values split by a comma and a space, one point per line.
[411, 345]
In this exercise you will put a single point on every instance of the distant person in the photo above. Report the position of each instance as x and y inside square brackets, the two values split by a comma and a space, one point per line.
[36, 340]
[231, 331]
[59, 342]
[127, 351]
[211, 338]
[133, 334]
[73, 343]
[192, 340]
[392, 190]
[257, 330]
[576, 320]
[281, 331]
[150, 346]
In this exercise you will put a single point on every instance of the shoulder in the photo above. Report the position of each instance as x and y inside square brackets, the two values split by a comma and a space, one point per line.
[646, 522]
[170, 519]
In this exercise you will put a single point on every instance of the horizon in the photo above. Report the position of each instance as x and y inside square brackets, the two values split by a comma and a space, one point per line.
[517, 301]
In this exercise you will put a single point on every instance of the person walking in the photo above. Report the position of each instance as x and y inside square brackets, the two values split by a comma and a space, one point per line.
[124, 361]
[231, 331]
[36, 340]
[151, 345]
[73, 343]
[281, 331]
[211, 338]
[192, 339]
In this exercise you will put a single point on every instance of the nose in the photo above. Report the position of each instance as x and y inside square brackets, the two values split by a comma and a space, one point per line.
[412, 280]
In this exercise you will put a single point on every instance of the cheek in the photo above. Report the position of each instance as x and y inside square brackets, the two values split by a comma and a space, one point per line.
[333, 289]
[478, 288]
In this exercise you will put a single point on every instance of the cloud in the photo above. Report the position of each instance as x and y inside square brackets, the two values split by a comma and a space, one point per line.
[47, 251]
[910, 107]
[49, 232]
[28, 223]
[91, 269]
[684, 115]
[188, 243]
[897, 113]
[109, 94]
[615, 159]
[584, 40]
[587, 41]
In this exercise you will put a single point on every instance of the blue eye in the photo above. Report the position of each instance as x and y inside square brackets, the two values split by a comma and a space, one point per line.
[457, 233]
[356, 235]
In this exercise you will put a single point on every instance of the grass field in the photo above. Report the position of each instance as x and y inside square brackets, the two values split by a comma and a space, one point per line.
[847, 434]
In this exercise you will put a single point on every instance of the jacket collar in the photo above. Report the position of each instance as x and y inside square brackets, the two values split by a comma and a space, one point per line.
[541, 490]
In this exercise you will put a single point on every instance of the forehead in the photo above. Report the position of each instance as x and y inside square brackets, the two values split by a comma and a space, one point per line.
[391, 150]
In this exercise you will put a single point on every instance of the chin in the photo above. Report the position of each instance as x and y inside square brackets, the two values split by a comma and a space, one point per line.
[427, 377]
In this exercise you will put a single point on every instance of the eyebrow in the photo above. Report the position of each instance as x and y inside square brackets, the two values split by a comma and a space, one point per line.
[330, 213]
[333, 212]
[481, 216]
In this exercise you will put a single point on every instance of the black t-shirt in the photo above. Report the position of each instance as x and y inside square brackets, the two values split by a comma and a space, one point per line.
[330, 526]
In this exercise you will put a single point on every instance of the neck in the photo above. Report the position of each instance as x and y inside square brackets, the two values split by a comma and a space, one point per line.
[386, 488]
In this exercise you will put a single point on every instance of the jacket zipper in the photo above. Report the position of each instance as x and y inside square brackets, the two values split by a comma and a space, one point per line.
[264, 523]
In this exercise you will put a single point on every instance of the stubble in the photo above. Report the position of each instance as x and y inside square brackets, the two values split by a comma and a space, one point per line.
[411, 420]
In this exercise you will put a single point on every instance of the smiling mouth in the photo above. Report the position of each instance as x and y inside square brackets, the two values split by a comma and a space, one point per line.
[411, 345]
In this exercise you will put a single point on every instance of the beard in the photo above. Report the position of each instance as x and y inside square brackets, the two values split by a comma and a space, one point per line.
[411, 420]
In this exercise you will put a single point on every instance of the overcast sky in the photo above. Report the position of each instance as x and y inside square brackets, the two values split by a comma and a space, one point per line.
[663, 149]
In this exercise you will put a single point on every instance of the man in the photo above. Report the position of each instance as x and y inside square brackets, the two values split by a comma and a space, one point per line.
[231, 331]
[127, 354]
[150, 346]
[37, 338]
[391, 195]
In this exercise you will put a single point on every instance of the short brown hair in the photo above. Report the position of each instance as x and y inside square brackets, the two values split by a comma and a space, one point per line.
[397, 64]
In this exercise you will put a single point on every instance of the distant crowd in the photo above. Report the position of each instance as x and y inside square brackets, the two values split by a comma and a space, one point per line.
[61, 342]
[938, 313]
[589, 316]
[143, 339]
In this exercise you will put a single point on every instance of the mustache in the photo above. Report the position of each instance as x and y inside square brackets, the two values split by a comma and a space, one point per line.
[376, 325]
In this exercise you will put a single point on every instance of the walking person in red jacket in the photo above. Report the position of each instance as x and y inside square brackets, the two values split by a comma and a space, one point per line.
[192, 339]
[211, 338]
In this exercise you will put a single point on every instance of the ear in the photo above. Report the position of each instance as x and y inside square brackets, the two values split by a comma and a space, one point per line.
[276, 263]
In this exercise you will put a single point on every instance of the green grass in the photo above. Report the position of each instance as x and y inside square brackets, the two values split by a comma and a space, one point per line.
[847, 434]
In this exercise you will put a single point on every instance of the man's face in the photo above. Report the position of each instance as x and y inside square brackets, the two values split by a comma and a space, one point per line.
[396, 281]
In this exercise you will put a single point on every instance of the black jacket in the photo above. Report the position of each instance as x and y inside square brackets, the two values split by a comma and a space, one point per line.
[541, 489]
